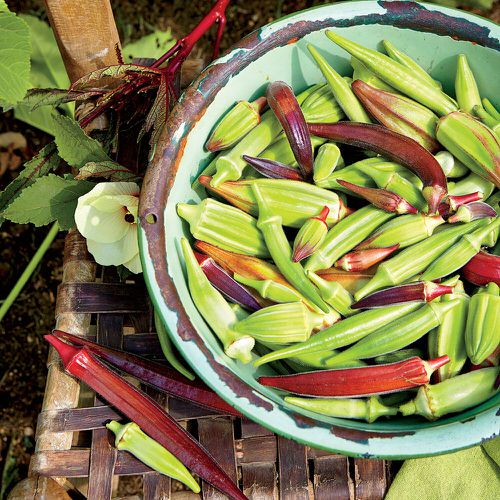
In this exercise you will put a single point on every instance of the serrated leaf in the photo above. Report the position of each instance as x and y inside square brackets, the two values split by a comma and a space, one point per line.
[74, 146]
[15, 51]
[99, 78]
[47, 160]
[157, 115]
[106, 169]
[50, 198]
[152, 46]
[55, 97]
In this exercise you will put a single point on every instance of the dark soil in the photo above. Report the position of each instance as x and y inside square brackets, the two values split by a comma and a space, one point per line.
[22, 349]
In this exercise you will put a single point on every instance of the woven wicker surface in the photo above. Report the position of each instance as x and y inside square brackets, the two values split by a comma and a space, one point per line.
[73, 443]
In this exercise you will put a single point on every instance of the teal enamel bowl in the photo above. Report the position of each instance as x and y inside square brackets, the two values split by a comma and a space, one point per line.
[433, 36]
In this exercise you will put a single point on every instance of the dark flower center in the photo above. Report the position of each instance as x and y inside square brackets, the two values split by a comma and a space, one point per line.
[129, 218]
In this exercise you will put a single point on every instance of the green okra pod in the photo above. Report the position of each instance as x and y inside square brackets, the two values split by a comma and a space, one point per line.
[318, 361]
[405, 231]
[269, 289]
[281, 151]
[471, 184]
[167, 348]
[321, 107]
[486, 118]
[224, 226]
[279, 248]
[472, 142]
[398, 334]
[280, 323]
[242, 118]
[416, 258]
[451, 166]
[402, 354]
[398, 76]
[334, 294]
[361, 72]
[345, 235]
[358, 408]
[343, 333]
[340, 89]
[488, 106]
[394, 182]
[460, 253]
[293, 201]
[349, 174]
[215, 310]
[449, 337]
[129, 437]
[401, 57]
[453, 395]
[466, 90]
[482, 335]
[326, 161]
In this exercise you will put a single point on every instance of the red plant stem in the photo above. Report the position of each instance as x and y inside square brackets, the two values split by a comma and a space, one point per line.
[359, 381]
[146, 413]
[393, 146]
[179, 52]
[421, 291]
[154, 374]
[482, 269]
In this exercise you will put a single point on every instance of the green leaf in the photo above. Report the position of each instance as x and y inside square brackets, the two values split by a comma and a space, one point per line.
[107, 169]
[103, 76]
[74, 146]
[47, 160]
[47, 67]
[47, 70]
[15, 51]
[42, 118]
[55, 97]
[153, 46]
[50, 198]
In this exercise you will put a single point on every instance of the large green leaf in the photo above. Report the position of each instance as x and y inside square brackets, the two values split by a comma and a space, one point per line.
[47, 160]
[14, 56]
[149, 46]
[48, 199]
[74, 145]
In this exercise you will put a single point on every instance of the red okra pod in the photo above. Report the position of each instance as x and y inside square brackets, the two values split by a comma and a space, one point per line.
[146, 413]
[273, 169]
[473, 211]
[226, 284]
[453, 203]
[360, 260]
[482, 269]
[283, 102]
[393, 146]
[359, 381]
[381, 198]
[154, 374]
[420, 291]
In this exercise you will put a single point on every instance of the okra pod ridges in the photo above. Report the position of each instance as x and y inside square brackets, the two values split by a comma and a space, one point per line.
[343, 333]
[416, 258]
[129, 437]
[279, 248]
[453, 395]
[215, 310]
[340, 89]
[398, 76]
[364, 409]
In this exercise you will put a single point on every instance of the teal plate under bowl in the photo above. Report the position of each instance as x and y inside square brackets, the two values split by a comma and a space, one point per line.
[433, 36]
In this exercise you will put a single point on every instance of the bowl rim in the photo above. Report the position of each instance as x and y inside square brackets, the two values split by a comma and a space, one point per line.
[160, 179]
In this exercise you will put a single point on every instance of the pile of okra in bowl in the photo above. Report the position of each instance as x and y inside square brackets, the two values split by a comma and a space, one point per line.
[319, 229]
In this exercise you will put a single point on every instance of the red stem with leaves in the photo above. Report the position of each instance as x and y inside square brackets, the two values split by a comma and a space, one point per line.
[175, 57]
